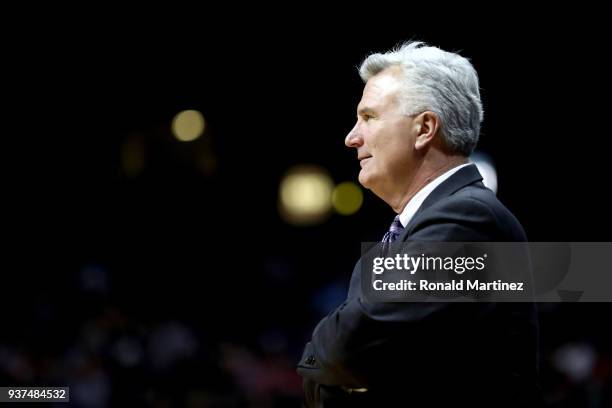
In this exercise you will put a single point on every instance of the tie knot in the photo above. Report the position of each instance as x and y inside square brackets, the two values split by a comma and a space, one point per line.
[395, 230]
[396, 225]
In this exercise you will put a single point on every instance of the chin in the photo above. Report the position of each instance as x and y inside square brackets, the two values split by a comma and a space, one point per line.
[364, 179]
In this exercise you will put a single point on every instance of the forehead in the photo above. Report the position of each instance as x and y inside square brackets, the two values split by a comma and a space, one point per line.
[381, 89]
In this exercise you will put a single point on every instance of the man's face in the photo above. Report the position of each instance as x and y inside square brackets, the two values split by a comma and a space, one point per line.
[383, 136]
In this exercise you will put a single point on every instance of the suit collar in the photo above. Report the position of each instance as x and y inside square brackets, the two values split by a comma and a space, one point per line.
[463, 177]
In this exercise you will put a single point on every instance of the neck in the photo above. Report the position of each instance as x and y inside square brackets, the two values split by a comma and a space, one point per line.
[425, 174]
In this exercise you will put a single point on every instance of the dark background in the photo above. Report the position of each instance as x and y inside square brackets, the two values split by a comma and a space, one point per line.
[181, 285]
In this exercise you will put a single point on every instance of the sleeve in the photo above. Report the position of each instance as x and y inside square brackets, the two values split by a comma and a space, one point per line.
[348, 345]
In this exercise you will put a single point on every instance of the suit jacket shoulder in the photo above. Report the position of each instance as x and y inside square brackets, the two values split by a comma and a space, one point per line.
[463, 209]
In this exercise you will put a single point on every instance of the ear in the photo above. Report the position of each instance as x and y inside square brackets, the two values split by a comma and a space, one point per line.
[427, 124]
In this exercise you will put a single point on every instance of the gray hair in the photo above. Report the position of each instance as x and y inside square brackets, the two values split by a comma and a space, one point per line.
[439, 81]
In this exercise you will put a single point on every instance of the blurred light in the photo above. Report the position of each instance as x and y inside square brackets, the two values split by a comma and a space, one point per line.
[188, 125]
[577, 361]
[347, 198]
[305, 195]
[486, 168]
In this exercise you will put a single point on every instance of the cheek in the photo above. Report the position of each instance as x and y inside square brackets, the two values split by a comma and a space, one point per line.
[396, 155]
[382, 136]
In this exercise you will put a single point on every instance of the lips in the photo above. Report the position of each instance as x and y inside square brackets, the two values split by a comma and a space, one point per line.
[364, 160]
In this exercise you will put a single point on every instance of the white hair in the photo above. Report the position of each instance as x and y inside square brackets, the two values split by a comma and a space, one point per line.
[439, 81]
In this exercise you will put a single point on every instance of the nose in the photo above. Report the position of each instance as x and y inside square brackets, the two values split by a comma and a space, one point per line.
[354, 138]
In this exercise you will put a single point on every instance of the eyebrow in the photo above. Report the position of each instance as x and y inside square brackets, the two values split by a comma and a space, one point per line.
[365, 110]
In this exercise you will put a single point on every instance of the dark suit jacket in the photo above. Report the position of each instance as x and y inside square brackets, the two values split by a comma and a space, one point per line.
[430, 354]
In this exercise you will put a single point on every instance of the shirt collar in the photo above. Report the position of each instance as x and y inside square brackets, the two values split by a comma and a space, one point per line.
[416, 201]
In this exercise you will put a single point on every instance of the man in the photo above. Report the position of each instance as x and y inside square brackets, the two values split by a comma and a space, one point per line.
[417, 122]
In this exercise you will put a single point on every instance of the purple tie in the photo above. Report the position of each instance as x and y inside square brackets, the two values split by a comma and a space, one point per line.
[394, 232]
